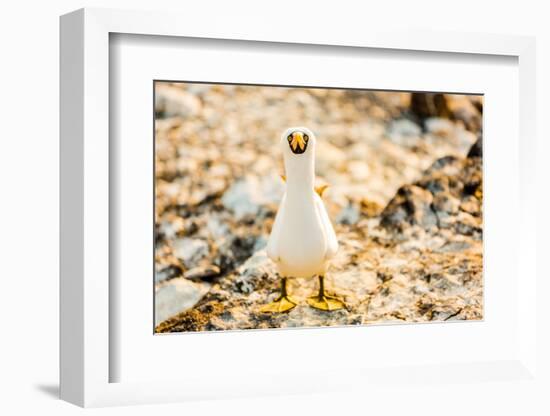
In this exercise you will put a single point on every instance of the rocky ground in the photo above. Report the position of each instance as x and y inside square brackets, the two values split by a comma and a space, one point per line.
[405, 196]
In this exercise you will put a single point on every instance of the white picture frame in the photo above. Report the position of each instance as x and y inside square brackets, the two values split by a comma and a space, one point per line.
[87, 356]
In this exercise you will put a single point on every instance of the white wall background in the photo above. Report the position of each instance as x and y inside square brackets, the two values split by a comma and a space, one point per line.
[29, 80]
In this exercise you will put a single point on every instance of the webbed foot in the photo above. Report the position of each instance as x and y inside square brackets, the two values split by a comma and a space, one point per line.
[326, 303]
[283, 303]
[323, 301]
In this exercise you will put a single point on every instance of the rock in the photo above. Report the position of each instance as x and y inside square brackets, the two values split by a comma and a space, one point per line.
[454, 246]
[233, 251]
[477, 149]
[190, 250]
[247, 196]
[447, 165]
[411, 206]
[445, 203]
[404, 132]
[370, 208]
[260, 244]
[328, 157]
[249, 274]
[425, 105]
[202, 273]
[467, 224]
[439, 126]
[177, 296]
[446, 136]
[171, 227]
[464, 110]
[448, 106]
[172, 101]
[359, 170]
[471, 205]
[384, 277]
[447, 196]
[168, 273]
[217, 227]
[349, 215]
[210, 189]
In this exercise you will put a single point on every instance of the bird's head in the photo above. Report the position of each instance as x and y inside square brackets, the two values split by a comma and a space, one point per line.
[297, 140]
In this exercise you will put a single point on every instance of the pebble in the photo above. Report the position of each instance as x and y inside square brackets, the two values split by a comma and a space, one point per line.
[349, 215]
[247, 196]
[217, 227]
[190, 250]
[171, 227]
[176, 102]
[199, 273]
[167, 273]
[328, 157]
[404, 132]
[177, 296]
[471, 205]
[258, 266]
[359, 170]
[439, 126]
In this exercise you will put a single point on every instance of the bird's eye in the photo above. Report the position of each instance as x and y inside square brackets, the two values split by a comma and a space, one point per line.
[289, 137]
[306, 137]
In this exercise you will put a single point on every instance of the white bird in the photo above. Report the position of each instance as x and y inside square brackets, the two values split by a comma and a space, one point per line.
[302, 239]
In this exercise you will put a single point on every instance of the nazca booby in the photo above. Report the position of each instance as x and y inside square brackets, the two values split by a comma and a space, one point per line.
[302, 239]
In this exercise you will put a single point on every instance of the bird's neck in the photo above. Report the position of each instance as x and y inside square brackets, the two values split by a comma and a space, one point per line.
[300, 174]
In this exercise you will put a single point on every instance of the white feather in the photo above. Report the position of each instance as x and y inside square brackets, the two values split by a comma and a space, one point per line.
[274, 238]
[330, 235]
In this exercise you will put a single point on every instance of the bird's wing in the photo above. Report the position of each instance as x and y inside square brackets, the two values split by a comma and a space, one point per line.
[275, 236]
[332, 241]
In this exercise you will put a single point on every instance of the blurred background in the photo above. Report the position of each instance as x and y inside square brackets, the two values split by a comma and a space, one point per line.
[404, 176]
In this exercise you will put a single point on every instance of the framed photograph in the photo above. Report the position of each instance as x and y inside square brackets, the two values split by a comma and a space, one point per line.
[274, 213]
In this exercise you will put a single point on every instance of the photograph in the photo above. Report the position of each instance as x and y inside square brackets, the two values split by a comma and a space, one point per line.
[306, 206]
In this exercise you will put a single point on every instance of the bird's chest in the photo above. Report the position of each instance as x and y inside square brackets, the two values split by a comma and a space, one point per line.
[303, 241]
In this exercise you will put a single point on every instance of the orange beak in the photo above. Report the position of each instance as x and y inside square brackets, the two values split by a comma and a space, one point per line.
[298, 141]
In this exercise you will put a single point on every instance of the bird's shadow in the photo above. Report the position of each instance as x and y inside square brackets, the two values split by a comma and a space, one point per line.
[51, 390]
